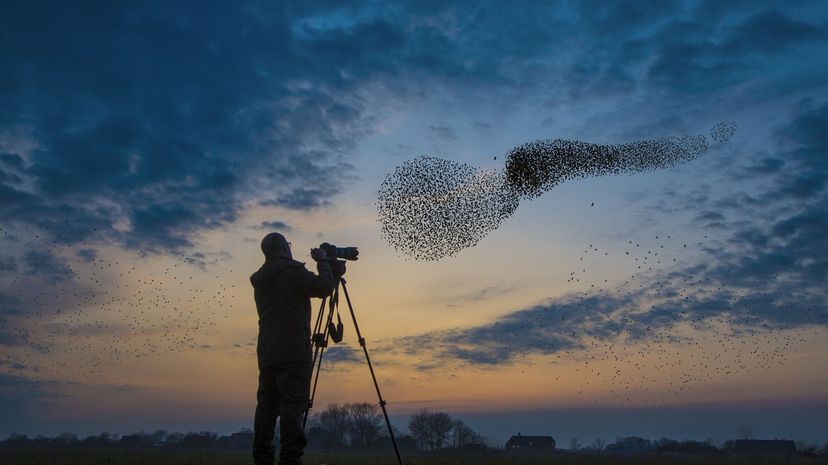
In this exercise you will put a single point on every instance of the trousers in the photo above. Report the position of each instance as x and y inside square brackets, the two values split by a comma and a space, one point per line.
[283, 393]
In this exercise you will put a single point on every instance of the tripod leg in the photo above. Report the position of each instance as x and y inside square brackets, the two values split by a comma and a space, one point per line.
[319, 316]
[317, 327]
[316, 349]
[373, 376]
[319, 349]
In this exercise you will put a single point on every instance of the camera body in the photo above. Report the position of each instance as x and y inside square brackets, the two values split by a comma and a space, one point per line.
[337, 256]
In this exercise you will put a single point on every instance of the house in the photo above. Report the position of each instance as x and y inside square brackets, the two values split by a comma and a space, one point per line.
[764, 446]
[530, 443]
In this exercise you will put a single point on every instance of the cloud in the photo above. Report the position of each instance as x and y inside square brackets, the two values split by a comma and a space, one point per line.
[301, 199]
[22, 399]
[762, 167]
[767, 272]
[709, 217]
[342, 353]
[477, 295]
[625, 316]
[9, 305]
[166, 126]
[626, 15]
[145, 126]
[87, 255]
[276, 225]
[443, 132]
[770, 32]
[696, 55]
[46, 265]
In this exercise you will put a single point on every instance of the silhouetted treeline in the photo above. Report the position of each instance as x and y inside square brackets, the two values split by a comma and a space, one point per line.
[160, 439]
[357, 426]
[634, 445]
[637, 445]
[361, 426]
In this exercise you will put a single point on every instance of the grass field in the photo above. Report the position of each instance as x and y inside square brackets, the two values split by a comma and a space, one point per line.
[239, 458]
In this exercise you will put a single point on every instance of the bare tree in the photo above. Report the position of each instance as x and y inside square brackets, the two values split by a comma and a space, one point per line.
[598, 444]
[417, 426]
[462, 435]
[574, 444]
[430, 429]
[440, 425]
[335, 420]
[364, 423]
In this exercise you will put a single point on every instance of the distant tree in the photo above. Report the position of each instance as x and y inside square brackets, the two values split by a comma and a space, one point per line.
[824, 449]
[240, 440]
[574, 444]
[318, 438]
[430, 429]
[598, 444]
[201, 440]
[462, 435]
[417, 426]
[397, 432]
[174, 440]
[16, 438]
[159, 436]
[664, 442]
[364, 423]
[335, 420]
[686, 447]
[136, 440]
[629, 445]
[313, 421]
[806, 449]
[41, 441]
[66, 439]
[101, 441]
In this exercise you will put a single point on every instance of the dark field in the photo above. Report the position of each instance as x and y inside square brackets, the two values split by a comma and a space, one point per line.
[494, 458]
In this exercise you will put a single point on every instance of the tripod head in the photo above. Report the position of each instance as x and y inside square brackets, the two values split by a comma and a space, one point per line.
[337, 268]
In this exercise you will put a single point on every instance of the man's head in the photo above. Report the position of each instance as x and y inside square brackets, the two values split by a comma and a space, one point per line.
[274, 245]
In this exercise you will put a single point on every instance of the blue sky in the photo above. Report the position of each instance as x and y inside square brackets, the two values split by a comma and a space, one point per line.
[150, 133]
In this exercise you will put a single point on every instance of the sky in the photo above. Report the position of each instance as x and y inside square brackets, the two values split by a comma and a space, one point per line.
[146, 148]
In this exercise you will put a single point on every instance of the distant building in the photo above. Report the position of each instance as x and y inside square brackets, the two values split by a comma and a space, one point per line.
[764, 446]
[521, 442]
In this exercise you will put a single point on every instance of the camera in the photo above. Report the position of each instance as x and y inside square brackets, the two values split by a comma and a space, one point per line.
[334, 252]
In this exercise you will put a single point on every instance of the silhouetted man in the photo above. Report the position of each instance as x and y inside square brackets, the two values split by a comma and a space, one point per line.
[282, 289]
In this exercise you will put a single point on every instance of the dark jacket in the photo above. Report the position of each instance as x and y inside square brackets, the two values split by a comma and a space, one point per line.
[282, 289]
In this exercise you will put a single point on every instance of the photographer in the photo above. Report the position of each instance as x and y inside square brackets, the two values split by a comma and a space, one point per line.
[282, 290]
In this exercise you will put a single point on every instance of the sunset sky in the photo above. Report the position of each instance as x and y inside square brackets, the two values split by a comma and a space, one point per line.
[145, 150]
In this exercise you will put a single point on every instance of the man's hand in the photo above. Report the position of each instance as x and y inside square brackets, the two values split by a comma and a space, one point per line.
[319, 255]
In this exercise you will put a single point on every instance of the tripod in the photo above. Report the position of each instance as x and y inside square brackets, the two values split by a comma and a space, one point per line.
[321, 335]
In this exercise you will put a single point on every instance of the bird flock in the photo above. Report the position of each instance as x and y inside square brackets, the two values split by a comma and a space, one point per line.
[84, 315]
[665, 328]
[670, 325]
[430, 208]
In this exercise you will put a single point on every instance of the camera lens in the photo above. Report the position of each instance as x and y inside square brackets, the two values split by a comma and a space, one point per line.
[347, 253]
